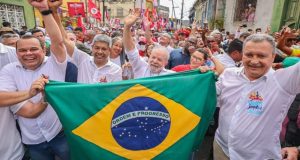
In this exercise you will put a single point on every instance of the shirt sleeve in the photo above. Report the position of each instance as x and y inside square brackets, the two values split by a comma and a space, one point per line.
[219, 83]
[79, 56]
[137, 62]
[289, 79]
[7, 82]
[15, 108]
[117, 74]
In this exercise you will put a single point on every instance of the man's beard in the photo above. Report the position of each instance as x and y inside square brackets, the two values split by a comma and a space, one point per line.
[154, 69]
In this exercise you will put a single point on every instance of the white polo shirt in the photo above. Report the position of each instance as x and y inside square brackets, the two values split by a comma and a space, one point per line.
[140, 67]
[226, 60]
[7, 55]
[13, 77]
[252, 112]
[88, 72]
[11, 146]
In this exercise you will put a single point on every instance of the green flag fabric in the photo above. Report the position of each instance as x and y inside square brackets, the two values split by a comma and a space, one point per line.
[163, 117]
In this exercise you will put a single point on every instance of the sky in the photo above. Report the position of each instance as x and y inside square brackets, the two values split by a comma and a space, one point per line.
[177, 3]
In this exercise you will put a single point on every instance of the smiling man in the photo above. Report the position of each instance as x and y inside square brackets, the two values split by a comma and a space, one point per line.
[91, 69]
[157, 60]
[254, 100]
[97, 68]
[41, 129]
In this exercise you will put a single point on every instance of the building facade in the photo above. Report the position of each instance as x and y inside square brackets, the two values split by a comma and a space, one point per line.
[18, 12]
[230, 14]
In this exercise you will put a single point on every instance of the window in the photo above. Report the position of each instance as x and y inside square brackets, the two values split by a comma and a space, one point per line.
[245, 10]
[13, 14]
[119, 12]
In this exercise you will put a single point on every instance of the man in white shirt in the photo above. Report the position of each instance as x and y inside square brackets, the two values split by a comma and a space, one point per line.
[11, 146]
[7, 55]
[91, 69]
[234, 55]
[41, 131]
[157, 60]
[254, 100]
[97, 68]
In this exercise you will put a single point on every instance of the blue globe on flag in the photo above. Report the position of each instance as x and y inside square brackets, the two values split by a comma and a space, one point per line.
[140, 123]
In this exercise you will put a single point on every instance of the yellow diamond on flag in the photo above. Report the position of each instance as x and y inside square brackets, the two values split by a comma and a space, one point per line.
[138, 124]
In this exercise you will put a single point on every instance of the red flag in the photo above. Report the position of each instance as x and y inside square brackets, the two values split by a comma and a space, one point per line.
[93, 10]
[76, 9]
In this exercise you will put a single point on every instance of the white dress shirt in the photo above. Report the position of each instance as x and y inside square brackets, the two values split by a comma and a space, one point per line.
[7, 55]
[88, 72]
[14, 77]
[226, 60]
[252, 112]
[140, 67]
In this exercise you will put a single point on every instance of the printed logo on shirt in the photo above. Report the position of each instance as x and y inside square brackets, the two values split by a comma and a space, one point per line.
[255, 104]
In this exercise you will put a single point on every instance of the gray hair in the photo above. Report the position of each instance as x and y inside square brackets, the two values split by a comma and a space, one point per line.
[102, 38]
[162, 49]
[260, 38]
[115, 39]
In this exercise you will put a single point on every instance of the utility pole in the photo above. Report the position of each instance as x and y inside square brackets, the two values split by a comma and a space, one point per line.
[173, 14]
[182, 5]
[103, 12]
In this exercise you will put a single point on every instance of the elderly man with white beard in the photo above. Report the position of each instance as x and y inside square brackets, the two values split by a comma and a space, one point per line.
[157, 60]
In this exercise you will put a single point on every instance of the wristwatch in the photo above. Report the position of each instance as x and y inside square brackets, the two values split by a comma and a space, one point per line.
[46, 12]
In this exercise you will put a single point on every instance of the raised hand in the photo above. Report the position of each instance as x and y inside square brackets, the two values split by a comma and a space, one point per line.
[132, 18]
[54, 4]
[41, 5]
[194, 25]
[204, 69]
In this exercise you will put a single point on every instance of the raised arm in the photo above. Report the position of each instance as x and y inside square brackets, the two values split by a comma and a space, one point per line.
[57, 46]
[70, 46]
[147, 30]
[282, 40]
[129, 21]
[219, 66]
[194, 28]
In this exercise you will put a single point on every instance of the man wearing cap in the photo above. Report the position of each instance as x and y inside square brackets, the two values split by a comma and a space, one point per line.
[9, 39]
[5, 30]
[163, 40]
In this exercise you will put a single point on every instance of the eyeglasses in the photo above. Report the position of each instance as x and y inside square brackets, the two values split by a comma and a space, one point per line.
[198, 59]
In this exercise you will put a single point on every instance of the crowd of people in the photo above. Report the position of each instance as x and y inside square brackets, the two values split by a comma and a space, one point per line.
[258, 82]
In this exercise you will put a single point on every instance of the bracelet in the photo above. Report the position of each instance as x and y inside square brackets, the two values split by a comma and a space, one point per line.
[46, 12]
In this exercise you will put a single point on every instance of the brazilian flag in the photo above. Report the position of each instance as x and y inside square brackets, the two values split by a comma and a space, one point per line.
[163, 117]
